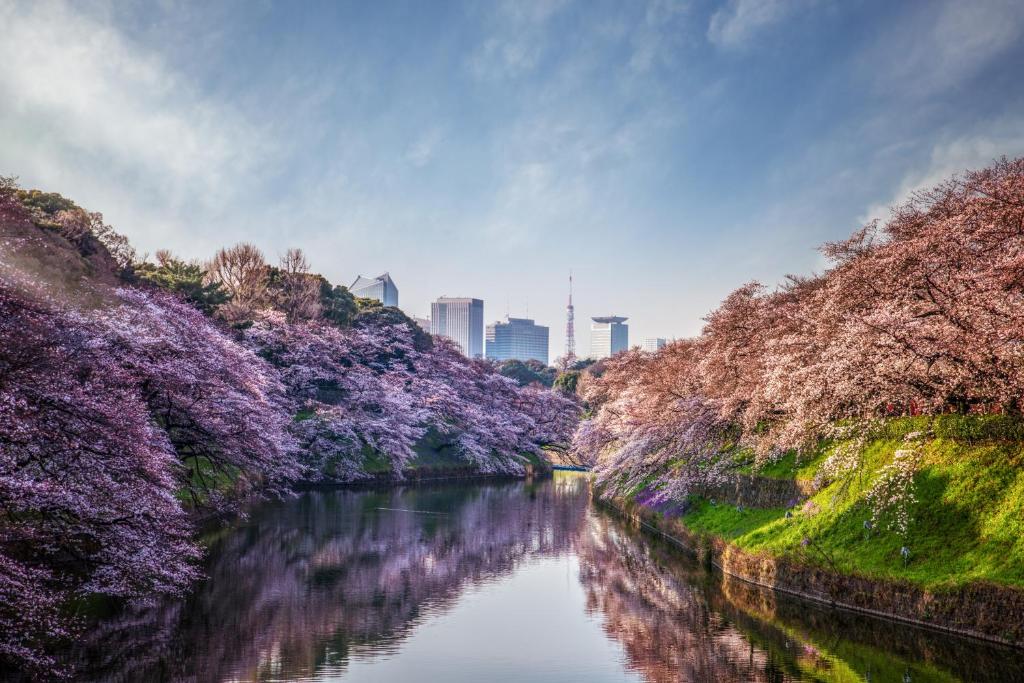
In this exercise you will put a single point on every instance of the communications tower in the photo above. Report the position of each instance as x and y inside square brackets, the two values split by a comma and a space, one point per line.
[570, 331]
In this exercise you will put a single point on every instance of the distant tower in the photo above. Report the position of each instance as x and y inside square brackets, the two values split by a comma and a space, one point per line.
[570, 331]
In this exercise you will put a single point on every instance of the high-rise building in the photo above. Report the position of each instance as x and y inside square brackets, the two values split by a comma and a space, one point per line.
[518, 339]
[608, 335]
[424, 323]
[382, 288]
[462, 321]
[652, 344]
[570, 329]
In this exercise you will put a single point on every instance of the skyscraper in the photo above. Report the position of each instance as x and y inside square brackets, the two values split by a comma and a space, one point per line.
[608, 335]
[519, 339]
[652, 344]
[462, 321]
[382, 288]
[570, 329]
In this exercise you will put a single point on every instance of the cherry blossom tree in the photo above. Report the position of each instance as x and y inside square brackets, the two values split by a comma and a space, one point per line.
[86, 478]
[368, 390]
[348, 407]
[924, 314]
[221, 407]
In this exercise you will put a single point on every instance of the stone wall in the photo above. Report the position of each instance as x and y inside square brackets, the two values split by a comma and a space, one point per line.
[980, 610]
[752, 491]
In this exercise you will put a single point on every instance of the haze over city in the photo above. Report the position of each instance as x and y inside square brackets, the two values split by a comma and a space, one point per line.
[665, 151]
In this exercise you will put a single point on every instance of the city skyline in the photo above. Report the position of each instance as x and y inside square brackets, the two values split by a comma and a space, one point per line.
[552, 353]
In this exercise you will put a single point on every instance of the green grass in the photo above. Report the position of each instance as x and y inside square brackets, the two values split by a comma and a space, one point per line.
[968, 523]
[203, 478]
[789, 466]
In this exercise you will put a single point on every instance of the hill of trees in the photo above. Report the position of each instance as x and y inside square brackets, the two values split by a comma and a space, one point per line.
[137, 397]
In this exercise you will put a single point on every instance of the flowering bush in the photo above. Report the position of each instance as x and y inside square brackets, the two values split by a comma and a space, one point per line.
[892, 495]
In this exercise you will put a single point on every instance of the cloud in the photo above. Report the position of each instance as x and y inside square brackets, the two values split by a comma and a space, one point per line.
[517, 38]
[951, 157]
[736, 24]
[422, 150]
[77, 96]
[944, 45]
[656, 38]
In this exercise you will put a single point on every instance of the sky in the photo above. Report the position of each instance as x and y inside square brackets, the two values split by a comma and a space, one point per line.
[665, 151]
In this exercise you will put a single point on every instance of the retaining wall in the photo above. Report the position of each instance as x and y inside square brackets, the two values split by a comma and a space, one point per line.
[978, 610]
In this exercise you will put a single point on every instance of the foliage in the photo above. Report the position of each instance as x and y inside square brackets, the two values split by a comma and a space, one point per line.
[187, 280]
[242, 272]
[567, 381]
[373, 314]
[582, 364]
[892, 495]
[45, 204]
[294, 290]
[337, 305]
[528, 372]
[221, 407]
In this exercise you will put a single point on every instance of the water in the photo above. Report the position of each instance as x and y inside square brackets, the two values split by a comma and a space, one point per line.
[520, 581]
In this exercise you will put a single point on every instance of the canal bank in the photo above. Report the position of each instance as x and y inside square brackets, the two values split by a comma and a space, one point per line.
[981, 611]
[429, 466]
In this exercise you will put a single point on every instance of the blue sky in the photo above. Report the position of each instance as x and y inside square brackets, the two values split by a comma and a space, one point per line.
[666, 151]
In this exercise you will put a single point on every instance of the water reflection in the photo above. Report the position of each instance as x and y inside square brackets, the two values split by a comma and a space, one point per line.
[332, 582]
[680, 623]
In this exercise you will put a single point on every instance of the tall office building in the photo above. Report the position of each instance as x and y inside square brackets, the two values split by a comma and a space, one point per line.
[652, 344]
[518, 339]
[608, 335]
[462, 321]
[424, 323]
[382, 288]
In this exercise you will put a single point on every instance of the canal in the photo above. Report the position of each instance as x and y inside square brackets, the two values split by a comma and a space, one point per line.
[510, 581]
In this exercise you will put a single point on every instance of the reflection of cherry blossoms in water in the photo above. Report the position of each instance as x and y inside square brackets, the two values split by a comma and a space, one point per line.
[329, 583]
[677, 623]
[309, 583]
[660, 614]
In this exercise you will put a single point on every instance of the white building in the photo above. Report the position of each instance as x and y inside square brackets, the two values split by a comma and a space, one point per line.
[382, 288]
[608, 335]
[461, 320]
[652, 344]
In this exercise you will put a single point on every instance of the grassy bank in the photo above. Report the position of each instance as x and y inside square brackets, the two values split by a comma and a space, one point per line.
[967, 524]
